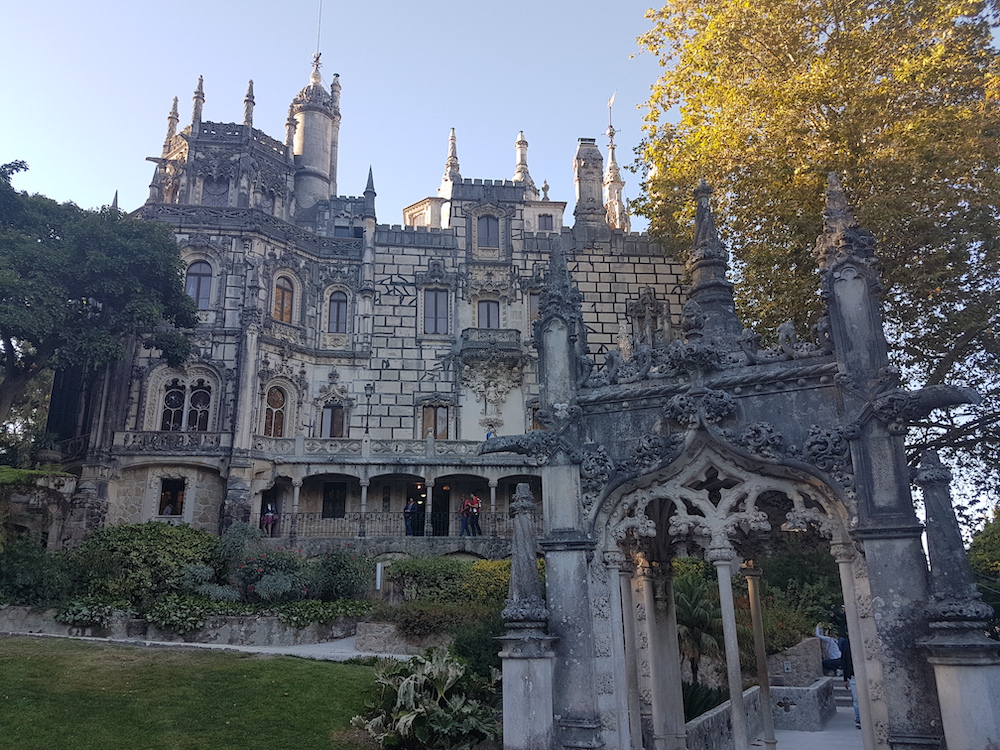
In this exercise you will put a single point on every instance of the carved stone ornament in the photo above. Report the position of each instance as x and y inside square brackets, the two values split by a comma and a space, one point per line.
[596, 470]
[529, 609]
[711, 407]
[437, 276]
[829, 450]
[491, 382]
[762, 439]
[489, 280]
[899, 408]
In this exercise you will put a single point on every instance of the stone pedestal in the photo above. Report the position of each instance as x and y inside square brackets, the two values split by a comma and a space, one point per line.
[527, 690]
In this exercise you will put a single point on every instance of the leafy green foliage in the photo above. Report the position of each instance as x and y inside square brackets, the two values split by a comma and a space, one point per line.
[700, 699]
[431, 701]
[272, 576]
[984, 559]
[309, 612]
[75, 286]
[435, 579]
[137, 562]
[699, 617]
[29, 575]
[417, 619]
[341, 574]
[476, 646]
[88, 611]
[900, 99]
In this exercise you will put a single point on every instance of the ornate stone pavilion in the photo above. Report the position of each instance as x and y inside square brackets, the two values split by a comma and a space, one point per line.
[344, 367]
[704, 445]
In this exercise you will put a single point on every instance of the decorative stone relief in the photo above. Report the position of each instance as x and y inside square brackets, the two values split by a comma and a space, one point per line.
[490, 281]
[602, 645]
[602, 607]
[605, 684]
[491, 382]
[640, 611]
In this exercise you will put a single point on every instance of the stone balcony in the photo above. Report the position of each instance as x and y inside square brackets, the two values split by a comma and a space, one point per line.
[490, 344]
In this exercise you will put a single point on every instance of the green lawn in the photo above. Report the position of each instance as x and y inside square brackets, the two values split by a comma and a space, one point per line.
[58, 694]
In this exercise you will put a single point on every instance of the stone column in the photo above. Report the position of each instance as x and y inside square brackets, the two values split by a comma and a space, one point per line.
[666, 612]
[722, 558]
[646, 622]
[760, 654]
[428, 504]
[293, 532]
[528, 717]
[493, 506]
[966, 663]
[623, 648]
[844, 554]
[364, 508]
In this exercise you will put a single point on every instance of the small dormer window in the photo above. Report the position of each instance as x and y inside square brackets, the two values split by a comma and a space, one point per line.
[545, 223]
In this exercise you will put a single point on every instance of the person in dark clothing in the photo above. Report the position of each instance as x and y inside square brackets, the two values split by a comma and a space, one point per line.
[847, 665]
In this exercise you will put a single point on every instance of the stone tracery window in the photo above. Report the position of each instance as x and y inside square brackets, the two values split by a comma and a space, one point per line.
[198, 284]
[186, 406]
[274, 412]
[284, 299]
[215, 191]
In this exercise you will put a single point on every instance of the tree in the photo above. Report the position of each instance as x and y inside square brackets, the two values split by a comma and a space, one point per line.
[77, 287]
[900, 99]
[984, 559]
[699, 618]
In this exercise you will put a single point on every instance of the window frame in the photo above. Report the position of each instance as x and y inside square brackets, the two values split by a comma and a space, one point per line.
[343, 301]
[436, 316]
[202, 293]
[492, 308]
[283, 309]
[275, 417]
[488, 238]
[336, 423]
[435, 417]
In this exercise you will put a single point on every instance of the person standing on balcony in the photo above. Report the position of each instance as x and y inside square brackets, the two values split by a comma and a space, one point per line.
[465, 516]
[409, 513]
[268, 520]
[475, 506]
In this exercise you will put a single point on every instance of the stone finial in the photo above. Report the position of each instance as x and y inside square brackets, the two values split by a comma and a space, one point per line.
[842, 236]
[521, 175]
[525, 607]
[614, 201]
[953, 589]
[587, 175]
[248, 103]
[199, 103]
[707, 244]
[708, 263]
[315, 76]
[172, 119]
[314, 96]
[290, 125]
[369, 210]
[545, 190]
[452, 173]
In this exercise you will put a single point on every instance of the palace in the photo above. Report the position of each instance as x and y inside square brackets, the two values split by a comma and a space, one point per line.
[344, 366]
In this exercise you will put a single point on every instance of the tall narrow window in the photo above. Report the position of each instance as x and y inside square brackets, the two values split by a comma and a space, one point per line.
[198, 284]
[171, 497]
[338, 312]
[545, 223]
[489, 313]
[284, 299]
[435, 311]
[173, 406]
[333, 421]
[198, 406]
[274, 413]
[435, 422]
[534, 305]
[488, 231]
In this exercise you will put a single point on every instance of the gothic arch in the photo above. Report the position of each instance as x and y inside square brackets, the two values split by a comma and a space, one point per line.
[188, 377]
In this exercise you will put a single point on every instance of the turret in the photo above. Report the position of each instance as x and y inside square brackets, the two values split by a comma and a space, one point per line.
[172, 119]
[614, 204]
[452, 173]
[521, 175]
[587, 168]
[317, 124]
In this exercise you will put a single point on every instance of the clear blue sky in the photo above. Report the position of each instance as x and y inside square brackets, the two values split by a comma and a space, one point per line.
[87, 86]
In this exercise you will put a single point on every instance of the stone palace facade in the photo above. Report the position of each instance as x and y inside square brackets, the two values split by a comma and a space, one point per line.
[343, 366]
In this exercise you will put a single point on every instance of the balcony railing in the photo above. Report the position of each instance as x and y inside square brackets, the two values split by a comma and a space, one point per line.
[354, 525]
[171, 442]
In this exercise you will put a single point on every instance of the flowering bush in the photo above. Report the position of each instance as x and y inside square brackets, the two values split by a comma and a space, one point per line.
[273, 576]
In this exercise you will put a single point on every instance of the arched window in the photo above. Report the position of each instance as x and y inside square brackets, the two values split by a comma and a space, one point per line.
[186, 407]
[338, 313]
[198, 284]
[274, 412]
[488, 231]
[284, 299]
[215, 191]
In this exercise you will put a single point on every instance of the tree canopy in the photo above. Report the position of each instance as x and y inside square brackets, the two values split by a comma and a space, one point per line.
[899, 97]
[77, 287]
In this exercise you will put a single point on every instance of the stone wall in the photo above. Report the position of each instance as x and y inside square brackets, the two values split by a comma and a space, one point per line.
[806, 709]
[714, 729]
[384, 638]
[798, 666]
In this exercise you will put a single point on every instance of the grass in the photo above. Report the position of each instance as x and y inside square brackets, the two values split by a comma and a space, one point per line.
[57, 693]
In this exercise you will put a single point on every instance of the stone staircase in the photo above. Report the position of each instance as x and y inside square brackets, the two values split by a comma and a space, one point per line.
[842, 694]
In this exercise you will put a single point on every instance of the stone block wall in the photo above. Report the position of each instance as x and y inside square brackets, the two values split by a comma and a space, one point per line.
[799, 666]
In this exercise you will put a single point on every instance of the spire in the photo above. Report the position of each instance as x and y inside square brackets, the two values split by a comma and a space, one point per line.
[614, 203]
[588, 168]
[114, 202]
[707, 264]
[369, 210]
[451, 169]
[315, 76]
[172, 119]
[290, 125]
[199, 102]
[248, 106]
[521, 175]
[842, 236]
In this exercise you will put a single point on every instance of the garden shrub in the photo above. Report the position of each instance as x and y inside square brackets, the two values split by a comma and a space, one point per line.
[32, 576]
[431, 702]
[421, 618]
[304, 613]
[341, 574]
[138, 562]
[432, 579]
[89, 611]
[272, 576]
[238, 542]
[476, 645]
